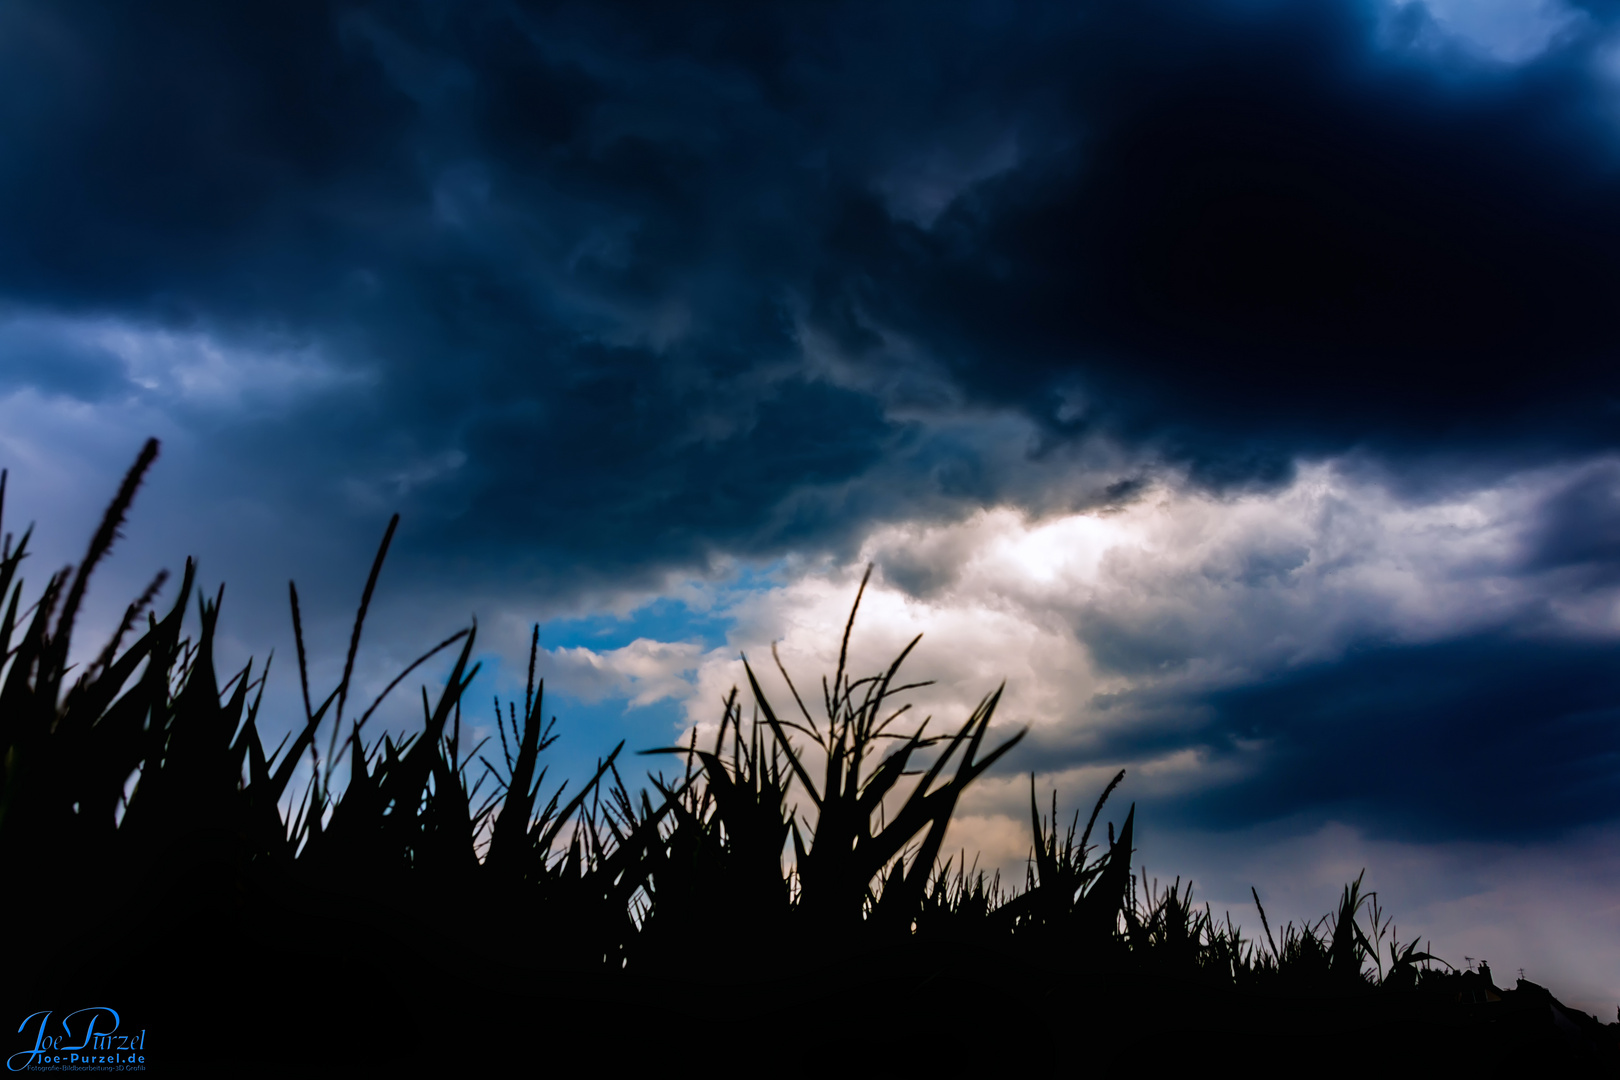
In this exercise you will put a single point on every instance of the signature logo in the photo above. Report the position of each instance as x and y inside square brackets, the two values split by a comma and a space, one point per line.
[82, 1039]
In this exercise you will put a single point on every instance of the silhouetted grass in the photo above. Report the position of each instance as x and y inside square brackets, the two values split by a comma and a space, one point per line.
[404, 911]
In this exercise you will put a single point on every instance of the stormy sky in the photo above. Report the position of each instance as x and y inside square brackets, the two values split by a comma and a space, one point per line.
[1236, 379]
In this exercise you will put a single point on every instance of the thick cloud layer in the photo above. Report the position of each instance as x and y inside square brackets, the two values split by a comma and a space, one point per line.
[630, 288]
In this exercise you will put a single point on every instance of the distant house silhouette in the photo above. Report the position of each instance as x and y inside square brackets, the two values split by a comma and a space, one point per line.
[1477, 987]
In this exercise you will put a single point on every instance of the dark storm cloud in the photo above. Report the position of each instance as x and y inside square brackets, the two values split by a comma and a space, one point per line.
[1282, 231]
[1486, 736]
[185, 155]
[33, 356]
[583, 250]
[1578, 530]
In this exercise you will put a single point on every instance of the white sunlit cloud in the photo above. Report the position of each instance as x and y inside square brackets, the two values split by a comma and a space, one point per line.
[1181, 592]
[642, 672]
[1074, 610]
